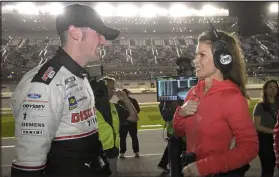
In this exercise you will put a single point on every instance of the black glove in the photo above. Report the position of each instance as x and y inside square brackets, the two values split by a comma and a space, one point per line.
[187, 158]
[104, 169]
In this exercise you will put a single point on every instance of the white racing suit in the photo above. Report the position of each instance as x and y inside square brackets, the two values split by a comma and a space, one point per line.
[56, 129]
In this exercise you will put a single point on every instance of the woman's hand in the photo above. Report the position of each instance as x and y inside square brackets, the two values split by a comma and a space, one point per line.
[189, 108]
[191, 170]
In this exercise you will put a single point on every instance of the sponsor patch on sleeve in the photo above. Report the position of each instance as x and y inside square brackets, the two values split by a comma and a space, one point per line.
[49, 73]
[70, 82]
[72, 103]
[32, 132]
[34, 96]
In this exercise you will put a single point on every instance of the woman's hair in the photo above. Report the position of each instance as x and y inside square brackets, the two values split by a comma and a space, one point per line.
[264, 94]
[238, 71]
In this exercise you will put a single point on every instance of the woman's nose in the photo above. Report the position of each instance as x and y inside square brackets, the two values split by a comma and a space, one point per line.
[195, 61]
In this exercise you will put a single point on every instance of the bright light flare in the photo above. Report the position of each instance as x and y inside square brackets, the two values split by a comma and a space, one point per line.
[8, 8]
[178, 10]
[273, 8]
[162, 12]
[127, 10]
[105, 9]
[148, 11]
[28, 8]
[209, 10]
[54, 8]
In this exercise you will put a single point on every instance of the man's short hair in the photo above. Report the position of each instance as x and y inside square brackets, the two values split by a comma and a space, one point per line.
[128, 92]
[63, 37]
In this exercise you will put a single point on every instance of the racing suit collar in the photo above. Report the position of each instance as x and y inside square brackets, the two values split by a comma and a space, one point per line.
[70, 64]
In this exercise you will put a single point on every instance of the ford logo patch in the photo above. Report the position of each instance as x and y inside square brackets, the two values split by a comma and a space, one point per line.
[34, 95]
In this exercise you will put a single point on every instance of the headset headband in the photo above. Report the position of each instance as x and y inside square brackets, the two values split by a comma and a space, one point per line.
[213, 31]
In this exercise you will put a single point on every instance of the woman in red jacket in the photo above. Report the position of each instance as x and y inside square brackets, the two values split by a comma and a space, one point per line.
[216, 110]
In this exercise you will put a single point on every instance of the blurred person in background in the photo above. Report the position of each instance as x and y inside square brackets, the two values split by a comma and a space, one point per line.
[109, 116]
[276, 145]
[51, 137]
[175, 145]
[216, 111]
[131, 127]
[265, 113]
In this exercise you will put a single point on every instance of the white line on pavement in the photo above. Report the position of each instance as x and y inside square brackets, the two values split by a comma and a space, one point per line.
[142, 130]
[6, 138]
[130, 156]
[153, 129]
[8, 146]
[144, 155]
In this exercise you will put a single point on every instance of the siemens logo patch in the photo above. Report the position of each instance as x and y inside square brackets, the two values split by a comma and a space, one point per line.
[23, 124]
[32, 132]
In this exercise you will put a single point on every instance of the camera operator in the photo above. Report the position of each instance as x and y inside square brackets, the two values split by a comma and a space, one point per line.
[167, 109]
[56, 132]
[109, 116]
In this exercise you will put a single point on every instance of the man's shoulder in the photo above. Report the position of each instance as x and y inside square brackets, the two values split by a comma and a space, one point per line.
[47, 72]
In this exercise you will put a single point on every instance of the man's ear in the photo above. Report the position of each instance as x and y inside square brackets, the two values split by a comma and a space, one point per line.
[75, 33]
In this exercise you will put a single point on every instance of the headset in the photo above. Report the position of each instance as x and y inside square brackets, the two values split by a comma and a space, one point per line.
[222, 57]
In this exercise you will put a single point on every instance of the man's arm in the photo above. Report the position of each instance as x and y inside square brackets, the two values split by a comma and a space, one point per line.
[136, 105]
[133, 115]
[37, 110]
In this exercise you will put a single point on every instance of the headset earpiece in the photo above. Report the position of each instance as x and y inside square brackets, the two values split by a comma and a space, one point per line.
[222, 57]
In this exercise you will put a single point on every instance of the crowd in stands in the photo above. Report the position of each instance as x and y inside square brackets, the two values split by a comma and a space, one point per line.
[28, 52]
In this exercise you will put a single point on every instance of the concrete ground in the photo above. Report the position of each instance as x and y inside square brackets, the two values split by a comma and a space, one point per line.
[151, 148]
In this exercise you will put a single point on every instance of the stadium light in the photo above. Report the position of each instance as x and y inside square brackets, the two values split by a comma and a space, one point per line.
[148, 11]
[209, 10]
[223, 12]
[105, 9]
[126, 10]
[8, 8]
[162, 12]
[178, 10]
[273, 8]
[54, 8]
[27, 8]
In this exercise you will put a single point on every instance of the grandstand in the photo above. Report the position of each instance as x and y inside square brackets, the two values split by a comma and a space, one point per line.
[146, 48]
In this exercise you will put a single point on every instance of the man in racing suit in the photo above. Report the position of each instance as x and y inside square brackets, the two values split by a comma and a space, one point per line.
[56, 129]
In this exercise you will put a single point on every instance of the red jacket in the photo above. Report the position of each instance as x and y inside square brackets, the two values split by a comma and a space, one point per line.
[276, 141]
[222, 115]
